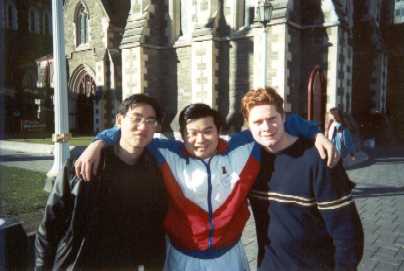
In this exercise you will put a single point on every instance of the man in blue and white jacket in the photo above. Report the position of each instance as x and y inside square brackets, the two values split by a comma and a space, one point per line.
[208, 181]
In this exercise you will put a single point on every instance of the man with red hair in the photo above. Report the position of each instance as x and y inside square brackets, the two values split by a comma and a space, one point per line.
[305, 216]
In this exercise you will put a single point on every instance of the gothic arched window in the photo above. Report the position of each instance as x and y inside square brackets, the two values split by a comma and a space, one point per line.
[10, 16]
[82, 25]
[11, 20]
[46, 23]
[34, 20]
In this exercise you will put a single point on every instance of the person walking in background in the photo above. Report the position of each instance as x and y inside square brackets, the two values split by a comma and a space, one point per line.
[339, 134]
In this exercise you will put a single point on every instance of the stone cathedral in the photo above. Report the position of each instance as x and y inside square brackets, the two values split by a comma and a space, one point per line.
[212, 51]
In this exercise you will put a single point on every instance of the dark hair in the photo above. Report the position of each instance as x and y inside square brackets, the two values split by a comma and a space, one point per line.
[137, 99]
[198, 111]
[337, 113]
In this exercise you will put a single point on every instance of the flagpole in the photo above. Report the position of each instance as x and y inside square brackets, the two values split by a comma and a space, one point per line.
[61, 135]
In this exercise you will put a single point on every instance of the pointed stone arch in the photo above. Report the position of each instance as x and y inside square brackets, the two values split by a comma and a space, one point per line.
[316, 95]
[10, 16]
[78, 6]
[82, 81]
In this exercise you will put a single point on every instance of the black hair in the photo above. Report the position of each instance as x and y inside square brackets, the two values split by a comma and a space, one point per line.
[137, 99]
[198, 111]
[338, 115]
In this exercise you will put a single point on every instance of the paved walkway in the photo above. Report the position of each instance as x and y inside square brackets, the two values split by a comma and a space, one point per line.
[37, 162]
[380, 199]
[379, 196]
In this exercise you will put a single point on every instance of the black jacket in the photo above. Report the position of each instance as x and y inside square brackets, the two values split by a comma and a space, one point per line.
[65, 237]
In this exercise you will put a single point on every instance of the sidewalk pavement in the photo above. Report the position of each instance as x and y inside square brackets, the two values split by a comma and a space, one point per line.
[34, 156]
[33, 161]
[360, 157]
[32, 148]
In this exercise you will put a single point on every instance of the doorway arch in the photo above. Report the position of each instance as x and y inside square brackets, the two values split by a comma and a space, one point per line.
[82, 97]
[316, 96]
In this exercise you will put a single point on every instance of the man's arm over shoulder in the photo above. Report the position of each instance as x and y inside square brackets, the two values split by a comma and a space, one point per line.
[300, 127]
[334, 200]
[110, 136]
[87, 165]
[57, 213]
[239, 139]
[297, 126]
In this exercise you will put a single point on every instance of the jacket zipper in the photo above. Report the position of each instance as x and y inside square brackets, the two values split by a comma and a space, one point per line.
[209, 198]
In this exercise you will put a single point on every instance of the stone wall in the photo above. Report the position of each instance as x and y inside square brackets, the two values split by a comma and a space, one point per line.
[96, 30]
[216, 65]
[184, 78]
[168, 91]
[316, 52]
[100, 55]
[296, 81]
[236, 78]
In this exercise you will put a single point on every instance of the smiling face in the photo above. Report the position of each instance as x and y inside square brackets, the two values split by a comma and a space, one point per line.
[266, 126]
[137, 126]
[201, 137]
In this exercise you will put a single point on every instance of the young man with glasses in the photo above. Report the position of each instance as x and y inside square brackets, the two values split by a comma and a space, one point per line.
[114, 222]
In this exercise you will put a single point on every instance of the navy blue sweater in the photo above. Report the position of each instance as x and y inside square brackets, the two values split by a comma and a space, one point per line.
[305, 216]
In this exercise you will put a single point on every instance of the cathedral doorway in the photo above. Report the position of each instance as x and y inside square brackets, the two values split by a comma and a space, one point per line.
[316, 96]
[85, 115]
[82, 100]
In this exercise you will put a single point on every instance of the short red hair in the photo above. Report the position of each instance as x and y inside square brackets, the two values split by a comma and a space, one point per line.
[261, 96]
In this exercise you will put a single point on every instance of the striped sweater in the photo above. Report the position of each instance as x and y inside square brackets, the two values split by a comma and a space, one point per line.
[305, 216]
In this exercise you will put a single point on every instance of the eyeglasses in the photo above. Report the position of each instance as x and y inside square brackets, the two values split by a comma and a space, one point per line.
[139, 119]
